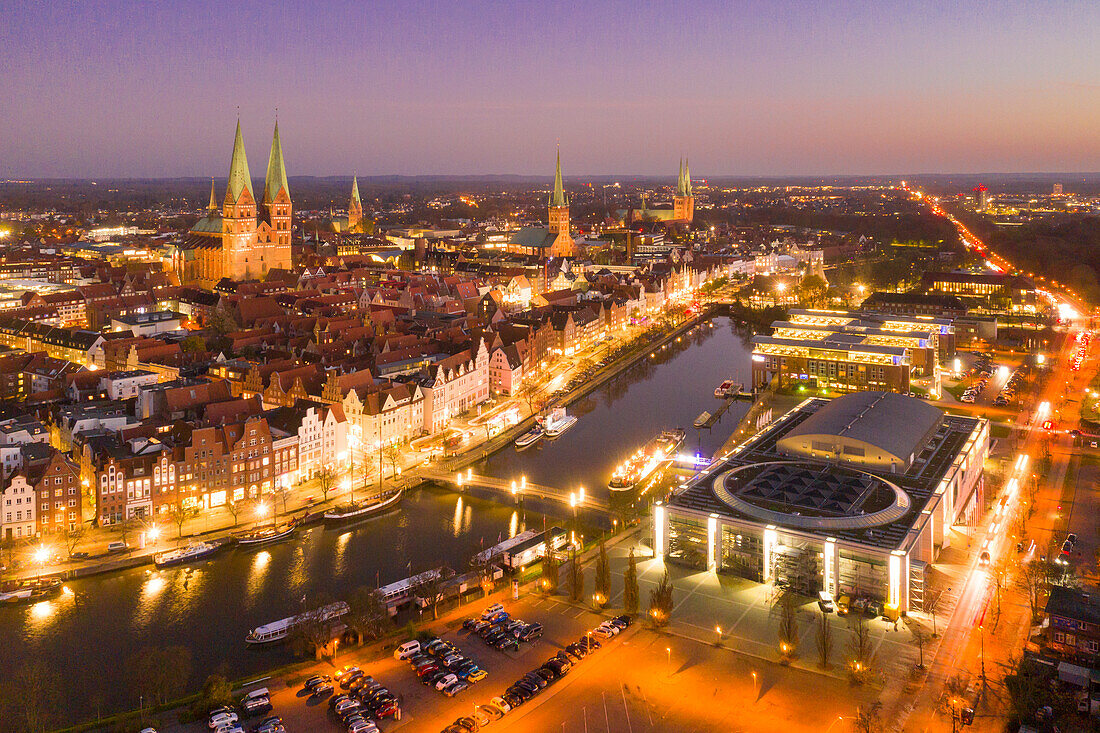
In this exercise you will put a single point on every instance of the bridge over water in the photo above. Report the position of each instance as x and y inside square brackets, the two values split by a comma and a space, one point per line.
[520, 489]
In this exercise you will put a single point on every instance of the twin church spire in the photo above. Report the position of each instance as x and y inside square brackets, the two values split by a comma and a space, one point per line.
[240, 178]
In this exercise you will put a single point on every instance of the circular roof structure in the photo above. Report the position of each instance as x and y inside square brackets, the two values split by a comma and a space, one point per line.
[811, 496]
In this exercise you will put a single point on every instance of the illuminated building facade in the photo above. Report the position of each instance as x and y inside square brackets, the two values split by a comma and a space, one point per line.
[854, 496]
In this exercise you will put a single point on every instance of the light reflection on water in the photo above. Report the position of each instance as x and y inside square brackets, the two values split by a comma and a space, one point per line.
[209, 607]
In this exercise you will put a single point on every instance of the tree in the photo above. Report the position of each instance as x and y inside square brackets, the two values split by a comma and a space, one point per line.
[920, 638]
[824, 641]
[234, 508]
[576, 578]
[999, 574]
[603, 576]
[222, 322]
[31, 698]
[391, 454]
[312, 631]
[216, 691]
[630, 585]
[179, 514]
[159, 674]
[531, 393]
[786, 607]
[1034, 581]
[193, 344]
[867, 718]
[550, 572]
[812, 289]
[72, 538]
[860, 650]
[369, 616]
[660, 600]
[326, 479]
[430, 590]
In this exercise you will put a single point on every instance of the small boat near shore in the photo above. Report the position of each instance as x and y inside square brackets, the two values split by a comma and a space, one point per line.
[531, 437]
[702, 420]
[265, 535]
[27, 591]
[280, 630]
[557, 422]
[356, 510]
[646, 460]
[728, 389]
[187, 553]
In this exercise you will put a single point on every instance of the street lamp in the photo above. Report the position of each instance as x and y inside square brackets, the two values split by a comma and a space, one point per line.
[755, 694]
[668, 652]
[40, 557]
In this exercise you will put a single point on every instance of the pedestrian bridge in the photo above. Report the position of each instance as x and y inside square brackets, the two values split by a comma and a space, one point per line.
[461, 479]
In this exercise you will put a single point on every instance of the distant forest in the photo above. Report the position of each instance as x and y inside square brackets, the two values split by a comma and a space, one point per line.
[1066, 249]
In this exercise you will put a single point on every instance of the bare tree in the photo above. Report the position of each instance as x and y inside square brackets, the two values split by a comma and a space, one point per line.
[391, 454]
[550, 572]
[179, 514]
[159, 673]
[920, 638]
[326, 479]
[1033, 580]
[430, 589]
[234, 508]
[824, 641]
[311, 630]
[369, 615]
[660, 600]
[531, 393]
[860, 650]
[867, 718]
[31, 697]
[72, 538]
[786, 608]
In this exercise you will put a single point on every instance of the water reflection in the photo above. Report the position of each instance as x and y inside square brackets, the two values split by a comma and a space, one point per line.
[256, 574]
[513, 525]
[457, 523]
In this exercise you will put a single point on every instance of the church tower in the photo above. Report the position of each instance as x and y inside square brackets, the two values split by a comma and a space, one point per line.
[558, 218]
[683, 203]
[355, 206]
[278, 209]
[238, 214]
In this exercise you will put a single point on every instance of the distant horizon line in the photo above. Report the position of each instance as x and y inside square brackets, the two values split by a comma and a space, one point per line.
[603, 177]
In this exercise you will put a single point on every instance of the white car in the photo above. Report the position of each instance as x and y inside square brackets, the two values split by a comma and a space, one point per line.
[603, 631]
[495, 608]
[446, 682]
[500, 704]
[363, 726]
[222, 719]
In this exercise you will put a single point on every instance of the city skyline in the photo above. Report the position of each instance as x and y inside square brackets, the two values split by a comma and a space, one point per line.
[475, 89]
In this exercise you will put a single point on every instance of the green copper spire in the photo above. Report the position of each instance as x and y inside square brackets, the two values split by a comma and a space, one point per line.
[239, 177]
[687, 177]
[213, 206]
[355, 189]
[276, 170]
[558, 197]
[681, 189]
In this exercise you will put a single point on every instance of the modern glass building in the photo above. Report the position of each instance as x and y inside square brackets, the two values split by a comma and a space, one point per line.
[849, 496]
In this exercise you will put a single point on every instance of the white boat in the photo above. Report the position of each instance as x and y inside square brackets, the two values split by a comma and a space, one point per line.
[532, 436]
[29, 590]
[279, 630]
[188, 553]
[702, 420]
[558, 421]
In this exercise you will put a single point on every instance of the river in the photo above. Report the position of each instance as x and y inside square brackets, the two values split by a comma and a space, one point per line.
[87, 634]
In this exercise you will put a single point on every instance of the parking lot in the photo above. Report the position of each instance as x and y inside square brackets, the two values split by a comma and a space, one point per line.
[639, 680]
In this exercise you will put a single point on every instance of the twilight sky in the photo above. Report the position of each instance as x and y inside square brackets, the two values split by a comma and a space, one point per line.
[768, 87]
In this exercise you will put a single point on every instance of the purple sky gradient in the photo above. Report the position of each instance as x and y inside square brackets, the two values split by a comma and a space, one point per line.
[112, 88]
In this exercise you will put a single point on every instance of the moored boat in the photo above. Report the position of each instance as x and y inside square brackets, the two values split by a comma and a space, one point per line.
[557, 422]
[356, 510]
[531, 437]
[727, 389]
[265, 535]
[641, 465]
[188, 553]
[702, 420]
[30, 590]
[280, 630]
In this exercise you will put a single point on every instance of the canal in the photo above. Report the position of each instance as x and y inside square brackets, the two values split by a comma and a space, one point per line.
[87, 635]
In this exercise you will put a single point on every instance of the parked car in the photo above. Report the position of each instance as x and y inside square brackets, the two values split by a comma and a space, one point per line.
[454, 688]
[491, 610]
[500, 704]
[220, 718]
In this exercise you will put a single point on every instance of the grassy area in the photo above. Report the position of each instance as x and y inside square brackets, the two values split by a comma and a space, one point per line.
[1000, 430]
[956, 390]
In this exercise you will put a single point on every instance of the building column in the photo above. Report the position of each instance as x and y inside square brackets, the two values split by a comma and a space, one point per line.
[714, 543]
[660, 531]
[831, 566]
[897, 597]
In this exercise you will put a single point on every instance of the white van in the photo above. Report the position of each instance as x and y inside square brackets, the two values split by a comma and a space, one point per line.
[117, 546]
[256, 694]
[406, 650]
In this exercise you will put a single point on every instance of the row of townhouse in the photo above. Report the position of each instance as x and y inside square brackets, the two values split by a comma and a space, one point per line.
[40, 494]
